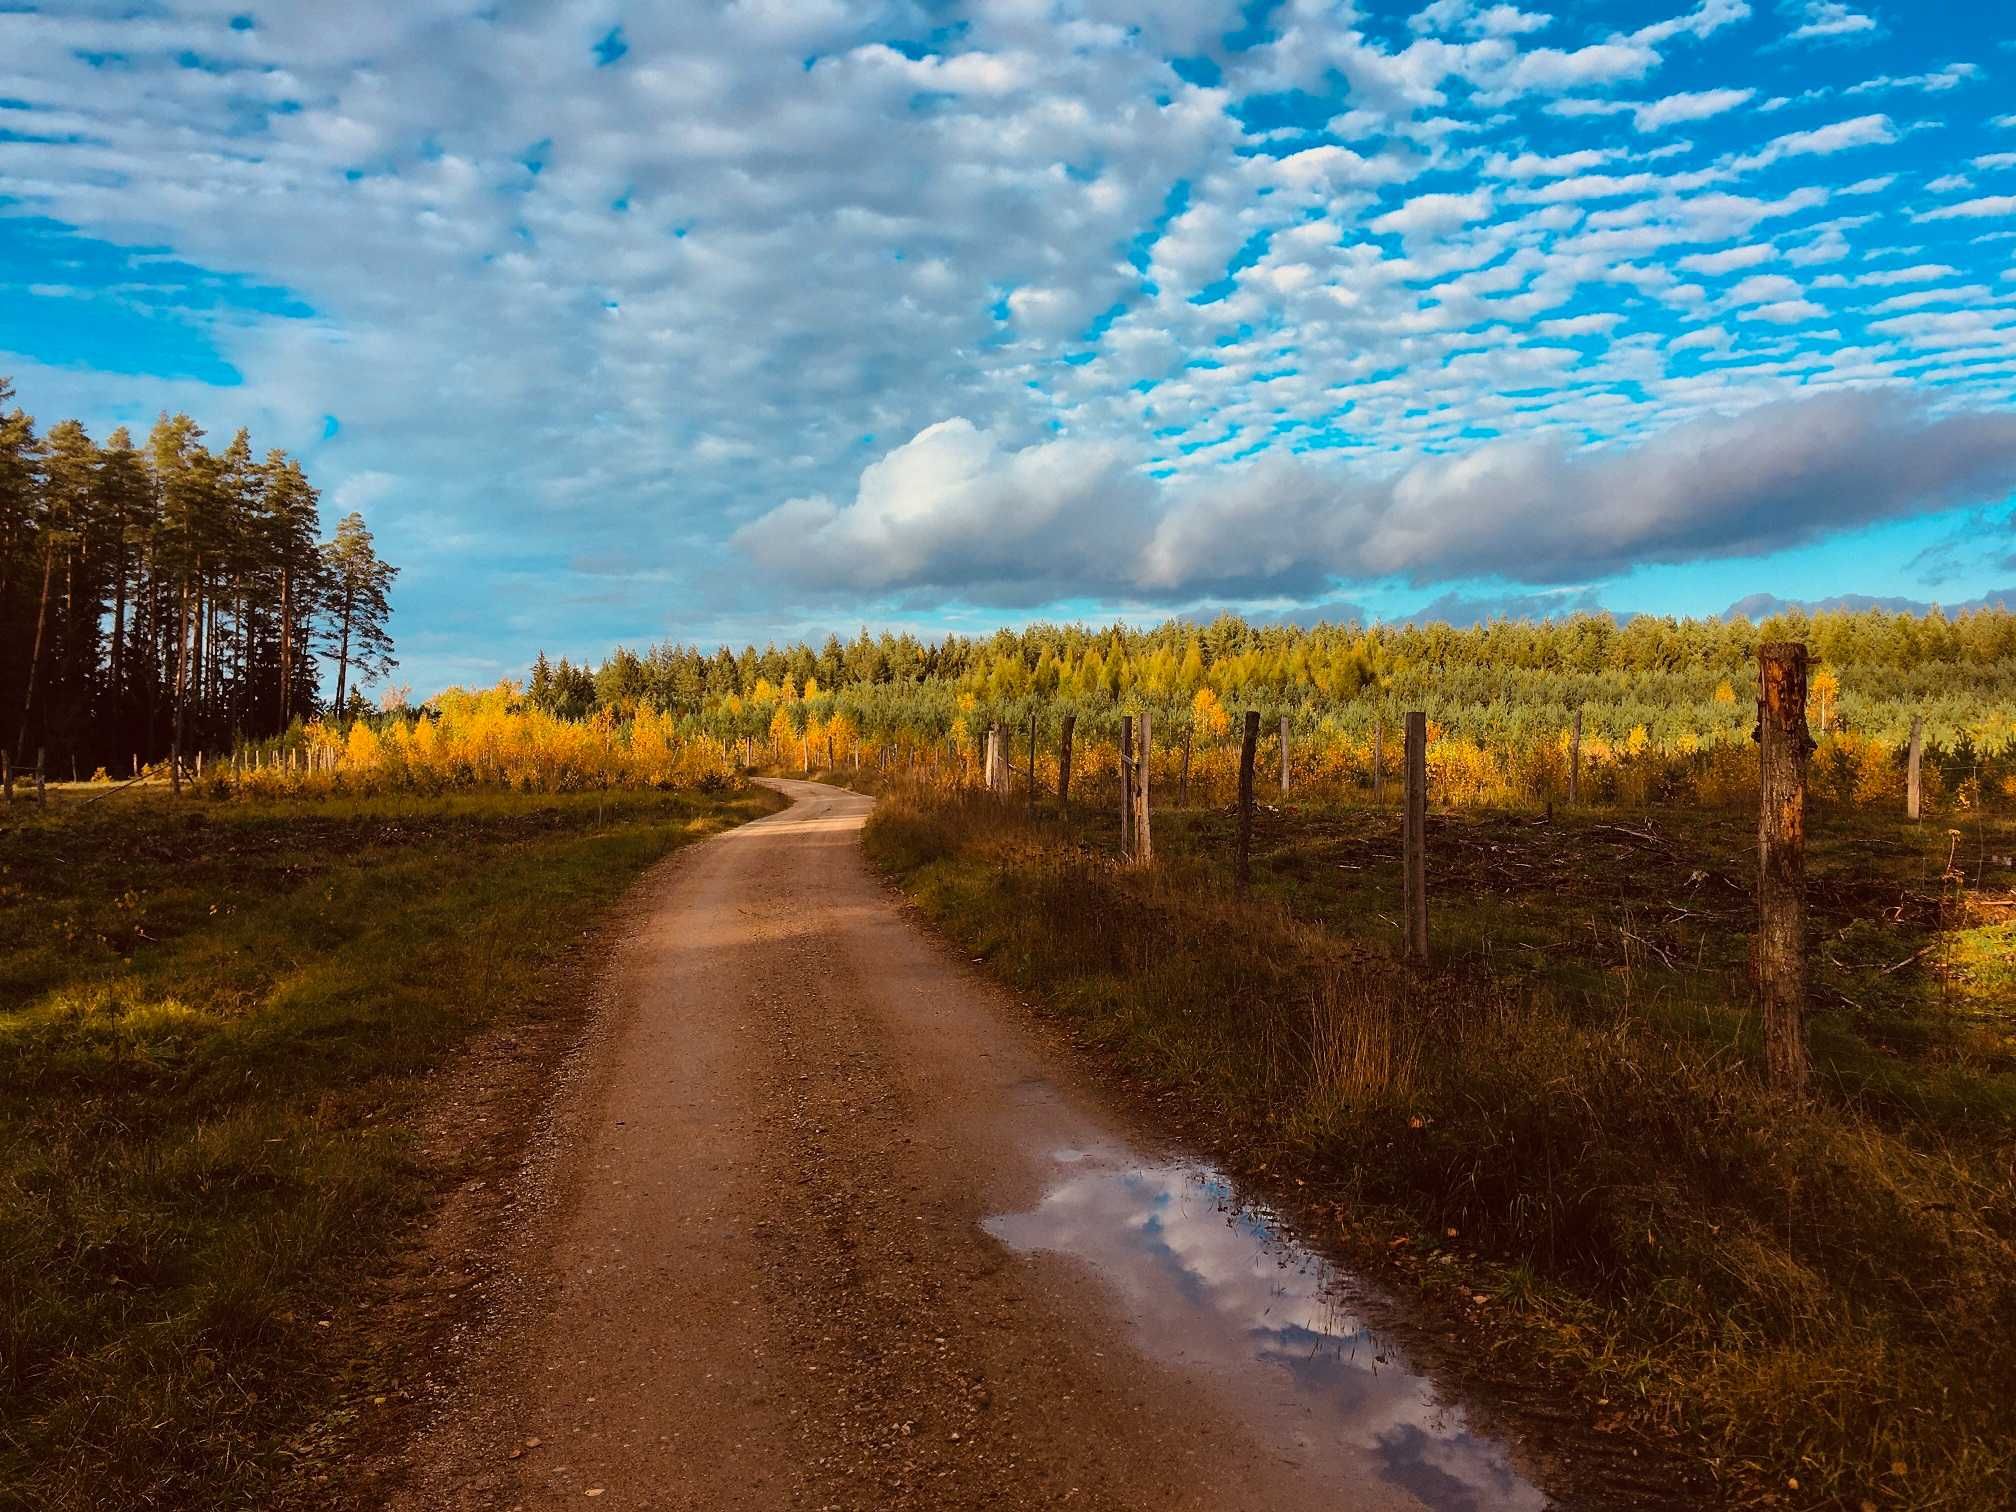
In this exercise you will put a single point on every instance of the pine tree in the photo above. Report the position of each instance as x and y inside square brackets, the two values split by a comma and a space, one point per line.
[357, 609]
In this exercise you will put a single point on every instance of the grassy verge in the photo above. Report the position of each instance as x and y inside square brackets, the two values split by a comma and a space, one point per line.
[1814, 1298]
[216, 1023]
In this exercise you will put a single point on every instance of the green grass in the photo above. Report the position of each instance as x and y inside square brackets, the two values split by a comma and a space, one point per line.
[215, 1024]
[1817, 1290]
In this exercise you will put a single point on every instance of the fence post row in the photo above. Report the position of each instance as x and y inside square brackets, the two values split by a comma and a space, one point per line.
[1783, 746]
[1064, 766]
[1247, 747]
[1126, 784]
[1414, 838]
[1913, 788]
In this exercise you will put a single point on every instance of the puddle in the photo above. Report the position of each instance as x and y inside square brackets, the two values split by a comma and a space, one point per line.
[1213, 1287]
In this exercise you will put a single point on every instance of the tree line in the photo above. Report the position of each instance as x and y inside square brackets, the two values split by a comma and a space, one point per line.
[161, 596]
[1582, 659]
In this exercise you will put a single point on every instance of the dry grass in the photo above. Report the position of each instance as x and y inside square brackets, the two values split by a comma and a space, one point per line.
[1819, 1291]
[216, 1025]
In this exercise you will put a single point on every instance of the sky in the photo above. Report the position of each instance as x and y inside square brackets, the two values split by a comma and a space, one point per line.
[729, 322]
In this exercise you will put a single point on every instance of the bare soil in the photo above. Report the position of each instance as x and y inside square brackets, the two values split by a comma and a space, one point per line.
[745, 1264]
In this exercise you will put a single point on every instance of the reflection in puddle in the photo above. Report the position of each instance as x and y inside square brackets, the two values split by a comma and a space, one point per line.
[1211, 1286]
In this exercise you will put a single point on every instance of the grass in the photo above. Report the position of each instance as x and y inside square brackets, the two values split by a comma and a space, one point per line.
[1813, 1298]
[217, 1021]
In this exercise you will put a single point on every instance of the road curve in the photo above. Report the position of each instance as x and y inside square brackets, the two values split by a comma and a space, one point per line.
[767, 1272]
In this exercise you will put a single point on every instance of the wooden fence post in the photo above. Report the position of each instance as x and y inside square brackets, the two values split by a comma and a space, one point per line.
[1284, 755]
[1414, 837]
[6, 776]
[1379, 760]
[1183, 782]
[1783, 747]
[1914, 771]
[1248, 747]
[1126, 784]
[1575, 761]
[1032, 764]
[1064, 766]
[1144, 844]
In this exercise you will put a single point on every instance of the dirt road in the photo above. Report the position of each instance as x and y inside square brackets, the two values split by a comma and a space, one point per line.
[828, 1226]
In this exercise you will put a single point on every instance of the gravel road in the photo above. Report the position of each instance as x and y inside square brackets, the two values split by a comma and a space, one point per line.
[826, 1223]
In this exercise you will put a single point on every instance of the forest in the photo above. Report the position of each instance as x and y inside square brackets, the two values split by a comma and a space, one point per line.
[163, 595]
[1664, 707]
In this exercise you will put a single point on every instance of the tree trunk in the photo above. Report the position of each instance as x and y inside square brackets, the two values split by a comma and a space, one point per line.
[343, 664]
[1783, 747]
[119, 624]
[286, 643]
[35, 656]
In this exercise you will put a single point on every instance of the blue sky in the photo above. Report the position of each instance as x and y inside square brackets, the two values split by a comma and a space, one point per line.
[752, 320]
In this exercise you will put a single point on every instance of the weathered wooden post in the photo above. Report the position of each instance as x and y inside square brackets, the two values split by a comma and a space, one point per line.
[1284, 755]
[1064, 766]
[1183, 781]
[1379, 760]
[1249, 747]
[805, 751]
[1914, 770]
[6, 776]
[1144, 844]
[1126, 784]
[1575, 761]
[1032, 764]
[41, 782]
[1414, 837]
[1783, 746]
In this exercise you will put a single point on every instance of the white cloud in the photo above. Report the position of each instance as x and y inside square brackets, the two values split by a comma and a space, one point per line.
[953, 508]
[1765, 286]
[1917, 273]
[1995, 161]
[1829, 246]
[1528, 165]
[1433, 214]
[1707, 18]
[1700, 105]
[1974, 209]
[1829, 18]
[1728, 260]
[950, 505]
[1946, 183]
[1861, 131]
[1548, 68]
[1952, 76]
[1703, 339]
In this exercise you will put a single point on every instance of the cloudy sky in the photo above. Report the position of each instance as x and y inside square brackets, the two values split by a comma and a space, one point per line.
[726, 321]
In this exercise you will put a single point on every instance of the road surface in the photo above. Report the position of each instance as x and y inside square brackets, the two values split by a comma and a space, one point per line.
[830, 1225]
